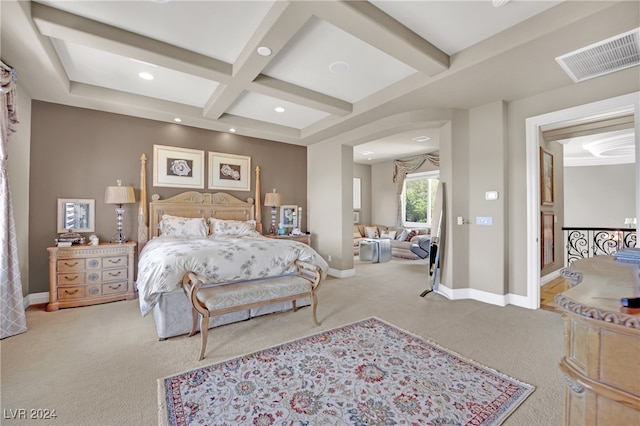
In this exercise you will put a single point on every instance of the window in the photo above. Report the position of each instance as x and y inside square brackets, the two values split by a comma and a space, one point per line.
[419, 198]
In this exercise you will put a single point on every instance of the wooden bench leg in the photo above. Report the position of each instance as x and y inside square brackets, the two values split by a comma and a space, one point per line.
[295, 307]
[314, 305]
[194, 317]
[204, 331]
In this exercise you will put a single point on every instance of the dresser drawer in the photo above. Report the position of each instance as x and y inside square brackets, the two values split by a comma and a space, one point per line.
[114, 288]
[71, 278]
[94, 263]
[113, 261]
[71, 293]
[70, 265]
[114, 274]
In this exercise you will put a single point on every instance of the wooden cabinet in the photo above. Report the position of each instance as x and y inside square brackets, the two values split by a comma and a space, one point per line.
[304, 238]
[601, 363]
[83, 275]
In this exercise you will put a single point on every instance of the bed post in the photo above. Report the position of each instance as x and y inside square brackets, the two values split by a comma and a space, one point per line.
[258, 202]
[143, 227]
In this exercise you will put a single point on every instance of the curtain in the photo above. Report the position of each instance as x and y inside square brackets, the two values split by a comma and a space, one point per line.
[400, 170]
[12, 317]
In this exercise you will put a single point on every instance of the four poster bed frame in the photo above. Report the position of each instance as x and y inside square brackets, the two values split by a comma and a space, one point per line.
[172, 313]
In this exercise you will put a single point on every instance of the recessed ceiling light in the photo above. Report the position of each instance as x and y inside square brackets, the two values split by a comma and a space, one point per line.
[177, 120]
[264, 51]
[421, 138]
[232, 130]
[145, 76]
[367, 152]
[339, 67]
[369, 158]
[278, 109]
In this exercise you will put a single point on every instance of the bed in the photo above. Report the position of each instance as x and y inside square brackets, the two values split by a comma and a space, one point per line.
[217, 237]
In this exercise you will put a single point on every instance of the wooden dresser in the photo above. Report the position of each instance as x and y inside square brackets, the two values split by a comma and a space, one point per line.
[601, 363]
[83, 275]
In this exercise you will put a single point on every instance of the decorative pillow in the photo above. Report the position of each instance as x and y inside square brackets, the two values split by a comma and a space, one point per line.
[402, 235]
[232, 227]
[370, 232]
[411, 234]
[388, 234]
[175, 226]
[356, 235]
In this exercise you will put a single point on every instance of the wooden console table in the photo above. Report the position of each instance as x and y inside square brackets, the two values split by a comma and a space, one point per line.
[601, 363]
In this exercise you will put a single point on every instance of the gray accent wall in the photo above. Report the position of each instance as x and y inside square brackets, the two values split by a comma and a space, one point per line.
[77, 153]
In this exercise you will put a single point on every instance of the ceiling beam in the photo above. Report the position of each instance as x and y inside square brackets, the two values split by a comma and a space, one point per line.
[299, 95]
[370, 24]
[65, 26]
[282, 22]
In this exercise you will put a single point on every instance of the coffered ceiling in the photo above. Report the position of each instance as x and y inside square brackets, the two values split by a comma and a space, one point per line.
[298, 72]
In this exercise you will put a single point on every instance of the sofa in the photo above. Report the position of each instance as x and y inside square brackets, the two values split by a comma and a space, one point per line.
[401, 238]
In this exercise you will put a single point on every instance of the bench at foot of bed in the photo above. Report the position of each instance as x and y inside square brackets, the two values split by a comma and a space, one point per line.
[223, 299]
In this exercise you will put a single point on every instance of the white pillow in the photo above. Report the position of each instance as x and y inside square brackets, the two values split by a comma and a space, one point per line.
[370, 232]
[175, 226]
[232, 227]
[402, 235]
[388, 234]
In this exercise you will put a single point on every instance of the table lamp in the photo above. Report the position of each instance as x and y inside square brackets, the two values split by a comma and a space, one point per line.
[273, 200]
[119, 195]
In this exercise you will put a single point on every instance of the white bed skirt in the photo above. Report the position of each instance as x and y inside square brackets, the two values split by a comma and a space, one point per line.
[172, 314]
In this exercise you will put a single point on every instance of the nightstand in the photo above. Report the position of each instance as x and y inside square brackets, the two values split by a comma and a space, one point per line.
[83, 275]
[304, 238]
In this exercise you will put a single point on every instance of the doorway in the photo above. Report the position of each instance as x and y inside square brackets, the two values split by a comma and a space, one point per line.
[534, 128]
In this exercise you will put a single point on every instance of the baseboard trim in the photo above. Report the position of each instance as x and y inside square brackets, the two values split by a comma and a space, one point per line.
[549, 277]
[484, 296]
[35, 299]
[341, 273]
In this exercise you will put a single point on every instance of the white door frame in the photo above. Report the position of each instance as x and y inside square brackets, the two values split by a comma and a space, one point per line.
[534, 127]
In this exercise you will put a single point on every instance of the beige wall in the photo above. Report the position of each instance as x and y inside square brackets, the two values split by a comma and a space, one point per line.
[599, 196]
[76, 153]
[18, 169]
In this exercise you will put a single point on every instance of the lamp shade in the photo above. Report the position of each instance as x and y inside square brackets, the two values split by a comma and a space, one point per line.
[119, 195]
[273, 199]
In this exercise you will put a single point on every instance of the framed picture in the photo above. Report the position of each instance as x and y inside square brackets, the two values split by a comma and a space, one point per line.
[356, 193]
[76, 214]
[178, 167]
[356, 217]
[547, 237]
[546, 177]
[289, 216]
[229, 172]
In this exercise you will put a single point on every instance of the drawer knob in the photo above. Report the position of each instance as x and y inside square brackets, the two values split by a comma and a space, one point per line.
[115, 274]
[71, 292]
[68, 278]
[115, 287]
[71, 264]
[115, 261]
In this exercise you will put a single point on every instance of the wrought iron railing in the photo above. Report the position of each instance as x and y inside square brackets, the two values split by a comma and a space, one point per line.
[590, 242]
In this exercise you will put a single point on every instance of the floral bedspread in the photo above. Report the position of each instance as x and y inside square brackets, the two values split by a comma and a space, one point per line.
[221, 259]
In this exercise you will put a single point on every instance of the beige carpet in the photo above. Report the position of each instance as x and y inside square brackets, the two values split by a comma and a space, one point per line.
[98, 365]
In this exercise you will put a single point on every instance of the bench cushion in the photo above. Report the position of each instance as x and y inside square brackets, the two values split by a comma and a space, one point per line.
[226, 296]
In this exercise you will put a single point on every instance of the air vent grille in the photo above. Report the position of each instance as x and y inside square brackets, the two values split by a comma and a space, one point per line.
[614, 54]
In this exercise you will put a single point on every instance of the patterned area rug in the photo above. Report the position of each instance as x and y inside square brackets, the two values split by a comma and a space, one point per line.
[365, 373]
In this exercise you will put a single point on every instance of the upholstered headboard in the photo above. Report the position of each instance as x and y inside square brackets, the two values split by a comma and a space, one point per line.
[219, 205]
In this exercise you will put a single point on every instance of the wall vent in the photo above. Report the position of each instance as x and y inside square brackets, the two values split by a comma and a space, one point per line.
[613, 54]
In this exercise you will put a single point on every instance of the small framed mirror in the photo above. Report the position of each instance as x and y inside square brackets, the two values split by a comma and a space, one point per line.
[76, 214]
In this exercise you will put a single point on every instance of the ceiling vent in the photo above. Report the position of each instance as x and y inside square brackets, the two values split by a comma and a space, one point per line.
[614, 54]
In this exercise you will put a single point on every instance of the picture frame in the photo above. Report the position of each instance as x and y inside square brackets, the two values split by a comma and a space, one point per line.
[289, 216]
[357, 187]
[356, 217]
[547, 239]
[178, 167]
[546, 178]
[77, 214]
[229, 172]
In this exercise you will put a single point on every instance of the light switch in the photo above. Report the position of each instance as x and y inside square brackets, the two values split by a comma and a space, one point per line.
[491, 195]
[484, 220]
